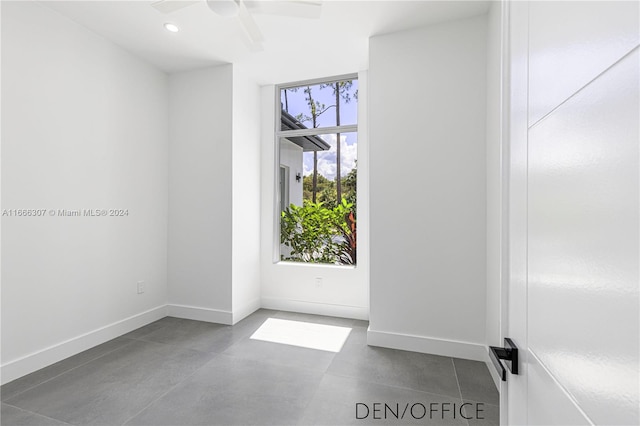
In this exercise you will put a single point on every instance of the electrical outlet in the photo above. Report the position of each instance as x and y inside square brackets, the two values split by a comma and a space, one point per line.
[141, 287]
[318, 282]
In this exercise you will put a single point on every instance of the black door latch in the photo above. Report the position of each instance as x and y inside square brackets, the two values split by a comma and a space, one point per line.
[509, 354]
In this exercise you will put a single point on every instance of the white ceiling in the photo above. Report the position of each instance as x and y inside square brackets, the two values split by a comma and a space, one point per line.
[294, 48]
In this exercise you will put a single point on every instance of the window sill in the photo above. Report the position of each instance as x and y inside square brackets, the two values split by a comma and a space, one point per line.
[288, 264]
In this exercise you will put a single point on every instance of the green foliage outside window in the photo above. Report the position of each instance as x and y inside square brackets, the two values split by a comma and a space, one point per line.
[327, 190]
[317, 234]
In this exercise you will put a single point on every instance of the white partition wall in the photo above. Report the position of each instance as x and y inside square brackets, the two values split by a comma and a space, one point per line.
[245, 273]
[214, 173]
[428, 191]
[200, 194]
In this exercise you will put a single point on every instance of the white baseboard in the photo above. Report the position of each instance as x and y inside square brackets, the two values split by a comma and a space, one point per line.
[244, 311]
[342, 311]
[52, 354]
[200, 314]
[429, 345]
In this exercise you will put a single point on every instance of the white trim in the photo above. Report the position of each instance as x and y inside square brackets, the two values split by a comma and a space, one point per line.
[492, 371]
[317, 131]
[505, 158]
[277, 113]
[52, 354]
[279, 134]
[428, 345]
[316, 81]
[290, 263]
[505, 200]
[244, 311]
[200, 314]
[302, 306]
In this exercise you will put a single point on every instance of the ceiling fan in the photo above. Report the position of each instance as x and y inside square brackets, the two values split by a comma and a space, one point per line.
[244, 10]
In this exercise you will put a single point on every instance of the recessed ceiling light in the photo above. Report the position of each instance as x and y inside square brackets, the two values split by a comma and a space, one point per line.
[171, 27]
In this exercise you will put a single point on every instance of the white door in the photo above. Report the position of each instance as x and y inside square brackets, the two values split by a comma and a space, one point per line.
[573, 304]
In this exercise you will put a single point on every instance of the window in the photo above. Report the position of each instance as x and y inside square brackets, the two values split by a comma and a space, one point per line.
[317, 162]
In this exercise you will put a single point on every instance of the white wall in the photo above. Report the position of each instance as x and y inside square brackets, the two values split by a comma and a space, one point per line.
[200, 194]
[84, 127]
[292, 156]
[288, 286]
[494, 175]
[246, 196]
[428, 189]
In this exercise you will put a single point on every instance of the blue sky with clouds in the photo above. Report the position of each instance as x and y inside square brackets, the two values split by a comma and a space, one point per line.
[349, 141]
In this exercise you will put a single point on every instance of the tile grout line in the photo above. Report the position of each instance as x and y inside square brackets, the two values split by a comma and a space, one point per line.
[315, 317]
[66, 371]
[145, 339]
[390, 386]
[277, 364]
[482, 402]
[455, 373]
[311, 398]
[215, 356]
[248, 338]
[38, 414]
[169, 390]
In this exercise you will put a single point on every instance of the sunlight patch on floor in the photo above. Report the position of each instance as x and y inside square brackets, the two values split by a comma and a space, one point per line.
[304, 334]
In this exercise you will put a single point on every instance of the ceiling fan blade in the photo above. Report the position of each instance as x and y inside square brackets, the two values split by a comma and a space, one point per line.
[168, 6]
[311, 9]
[249, 25]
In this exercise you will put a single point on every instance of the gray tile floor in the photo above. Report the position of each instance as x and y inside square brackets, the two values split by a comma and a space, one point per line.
[182, 372]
